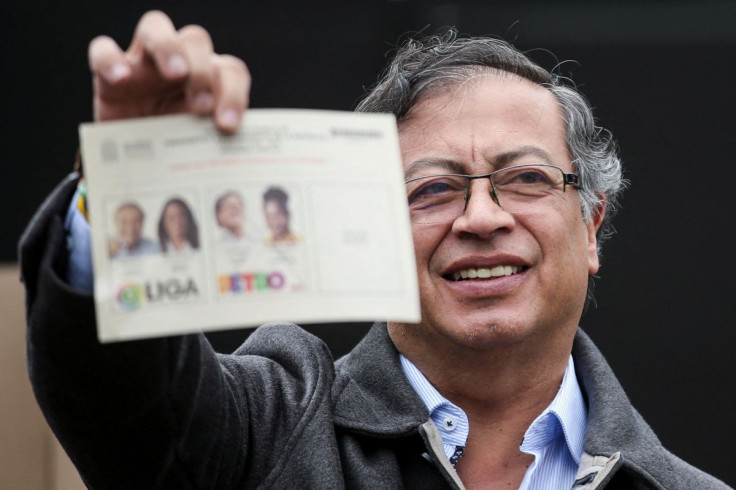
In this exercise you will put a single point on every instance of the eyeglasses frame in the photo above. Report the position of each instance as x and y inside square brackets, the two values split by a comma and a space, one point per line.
[572, 179]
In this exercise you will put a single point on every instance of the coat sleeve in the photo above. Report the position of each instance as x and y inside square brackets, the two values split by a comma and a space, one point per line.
[157, 413]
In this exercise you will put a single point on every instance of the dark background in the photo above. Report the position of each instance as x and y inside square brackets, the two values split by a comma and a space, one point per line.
[661, 76]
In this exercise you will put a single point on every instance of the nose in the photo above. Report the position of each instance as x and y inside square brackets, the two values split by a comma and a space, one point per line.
[483, 216]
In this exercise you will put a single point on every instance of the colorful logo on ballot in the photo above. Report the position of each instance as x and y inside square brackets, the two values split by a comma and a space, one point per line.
[131, 295]
[251, 282]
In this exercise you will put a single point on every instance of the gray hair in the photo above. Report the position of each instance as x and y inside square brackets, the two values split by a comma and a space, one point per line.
[443, 61]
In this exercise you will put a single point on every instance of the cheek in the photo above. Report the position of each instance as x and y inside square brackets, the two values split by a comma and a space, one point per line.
[565, 249]
[174, 223]
[427, 240]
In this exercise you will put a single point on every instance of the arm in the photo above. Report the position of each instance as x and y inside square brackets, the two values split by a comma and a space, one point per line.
[135, 414]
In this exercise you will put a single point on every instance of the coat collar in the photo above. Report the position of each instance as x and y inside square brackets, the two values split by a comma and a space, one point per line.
[615, 429]
[613, 423]
[371, 394]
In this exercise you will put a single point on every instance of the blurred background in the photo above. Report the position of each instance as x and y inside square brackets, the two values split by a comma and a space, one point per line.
[660, 75]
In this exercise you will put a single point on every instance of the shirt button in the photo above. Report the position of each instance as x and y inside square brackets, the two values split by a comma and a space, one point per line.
[450, 423]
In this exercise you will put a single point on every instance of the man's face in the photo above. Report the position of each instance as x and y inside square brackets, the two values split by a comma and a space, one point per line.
[129, 222]
[232, 213]
[489, 123]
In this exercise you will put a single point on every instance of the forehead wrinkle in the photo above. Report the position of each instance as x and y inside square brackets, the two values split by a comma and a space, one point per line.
[495, 162]
[443, 164]
[508, 157]
[475, 152]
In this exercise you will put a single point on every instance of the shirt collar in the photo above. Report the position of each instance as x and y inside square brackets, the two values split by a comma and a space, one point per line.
[427, 393]
[448, 417]
[565, 417]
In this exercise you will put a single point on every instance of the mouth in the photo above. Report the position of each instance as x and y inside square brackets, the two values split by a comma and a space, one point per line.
[484, 273]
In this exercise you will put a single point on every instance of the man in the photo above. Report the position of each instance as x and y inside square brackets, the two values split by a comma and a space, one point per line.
[129, 240]
[510, 187]
[230, 216]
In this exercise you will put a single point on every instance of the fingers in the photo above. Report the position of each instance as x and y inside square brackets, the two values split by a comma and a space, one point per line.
[107, 60]
[232, 87]
[168, 71]
[219, 83]
[156, 37]
[199, 51]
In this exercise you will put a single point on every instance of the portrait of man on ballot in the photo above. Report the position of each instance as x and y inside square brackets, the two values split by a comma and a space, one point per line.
[511, 187]
[129, 240]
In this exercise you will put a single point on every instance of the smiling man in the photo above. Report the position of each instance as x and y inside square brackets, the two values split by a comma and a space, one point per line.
[510, 187]
[495, 340]
[129, 240]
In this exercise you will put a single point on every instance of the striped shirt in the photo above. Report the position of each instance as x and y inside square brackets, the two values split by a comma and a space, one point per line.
[555, 438]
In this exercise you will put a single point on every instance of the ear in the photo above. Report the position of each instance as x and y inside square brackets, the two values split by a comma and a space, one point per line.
[592, 226]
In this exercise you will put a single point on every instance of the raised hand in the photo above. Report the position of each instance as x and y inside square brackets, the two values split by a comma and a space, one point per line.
[167, 71]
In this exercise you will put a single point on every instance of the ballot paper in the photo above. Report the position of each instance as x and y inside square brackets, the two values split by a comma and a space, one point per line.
[300, 216]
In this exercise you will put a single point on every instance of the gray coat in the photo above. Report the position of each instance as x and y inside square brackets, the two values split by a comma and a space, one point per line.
[277, 413]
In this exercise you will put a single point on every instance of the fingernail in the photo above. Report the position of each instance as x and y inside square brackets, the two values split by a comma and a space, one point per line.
[117, 72]
[203, 101]
[177, 64]
[228, 118]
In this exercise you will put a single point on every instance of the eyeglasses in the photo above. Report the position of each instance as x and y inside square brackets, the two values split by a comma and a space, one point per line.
[519, 189]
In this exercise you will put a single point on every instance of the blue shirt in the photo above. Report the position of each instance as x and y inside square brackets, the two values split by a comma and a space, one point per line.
[555, 438]
[143, 247]
[79, 243]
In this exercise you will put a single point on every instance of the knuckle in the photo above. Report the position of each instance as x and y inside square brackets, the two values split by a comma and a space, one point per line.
[153, 24]
[100, 39]
[100, 43]
[197, 33]
[154, 16]
[101, 49]
[234, 63]
[161, 44]
[201, 75]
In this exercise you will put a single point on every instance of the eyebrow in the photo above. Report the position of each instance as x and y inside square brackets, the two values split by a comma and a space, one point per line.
[451, 166]
[498, 161]
[508, 157]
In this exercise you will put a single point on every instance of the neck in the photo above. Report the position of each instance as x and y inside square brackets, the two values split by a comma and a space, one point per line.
[500, 387]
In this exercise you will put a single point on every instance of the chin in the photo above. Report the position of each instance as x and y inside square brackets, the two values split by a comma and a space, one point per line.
[481, 334]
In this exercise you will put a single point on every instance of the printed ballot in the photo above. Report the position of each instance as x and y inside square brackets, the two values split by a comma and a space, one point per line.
[299, 216]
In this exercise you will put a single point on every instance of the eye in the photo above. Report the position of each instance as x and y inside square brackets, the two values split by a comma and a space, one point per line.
[531, 177]
[527, 176]
[435, 189]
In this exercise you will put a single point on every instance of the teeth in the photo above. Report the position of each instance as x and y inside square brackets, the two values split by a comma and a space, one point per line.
[485, 273]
